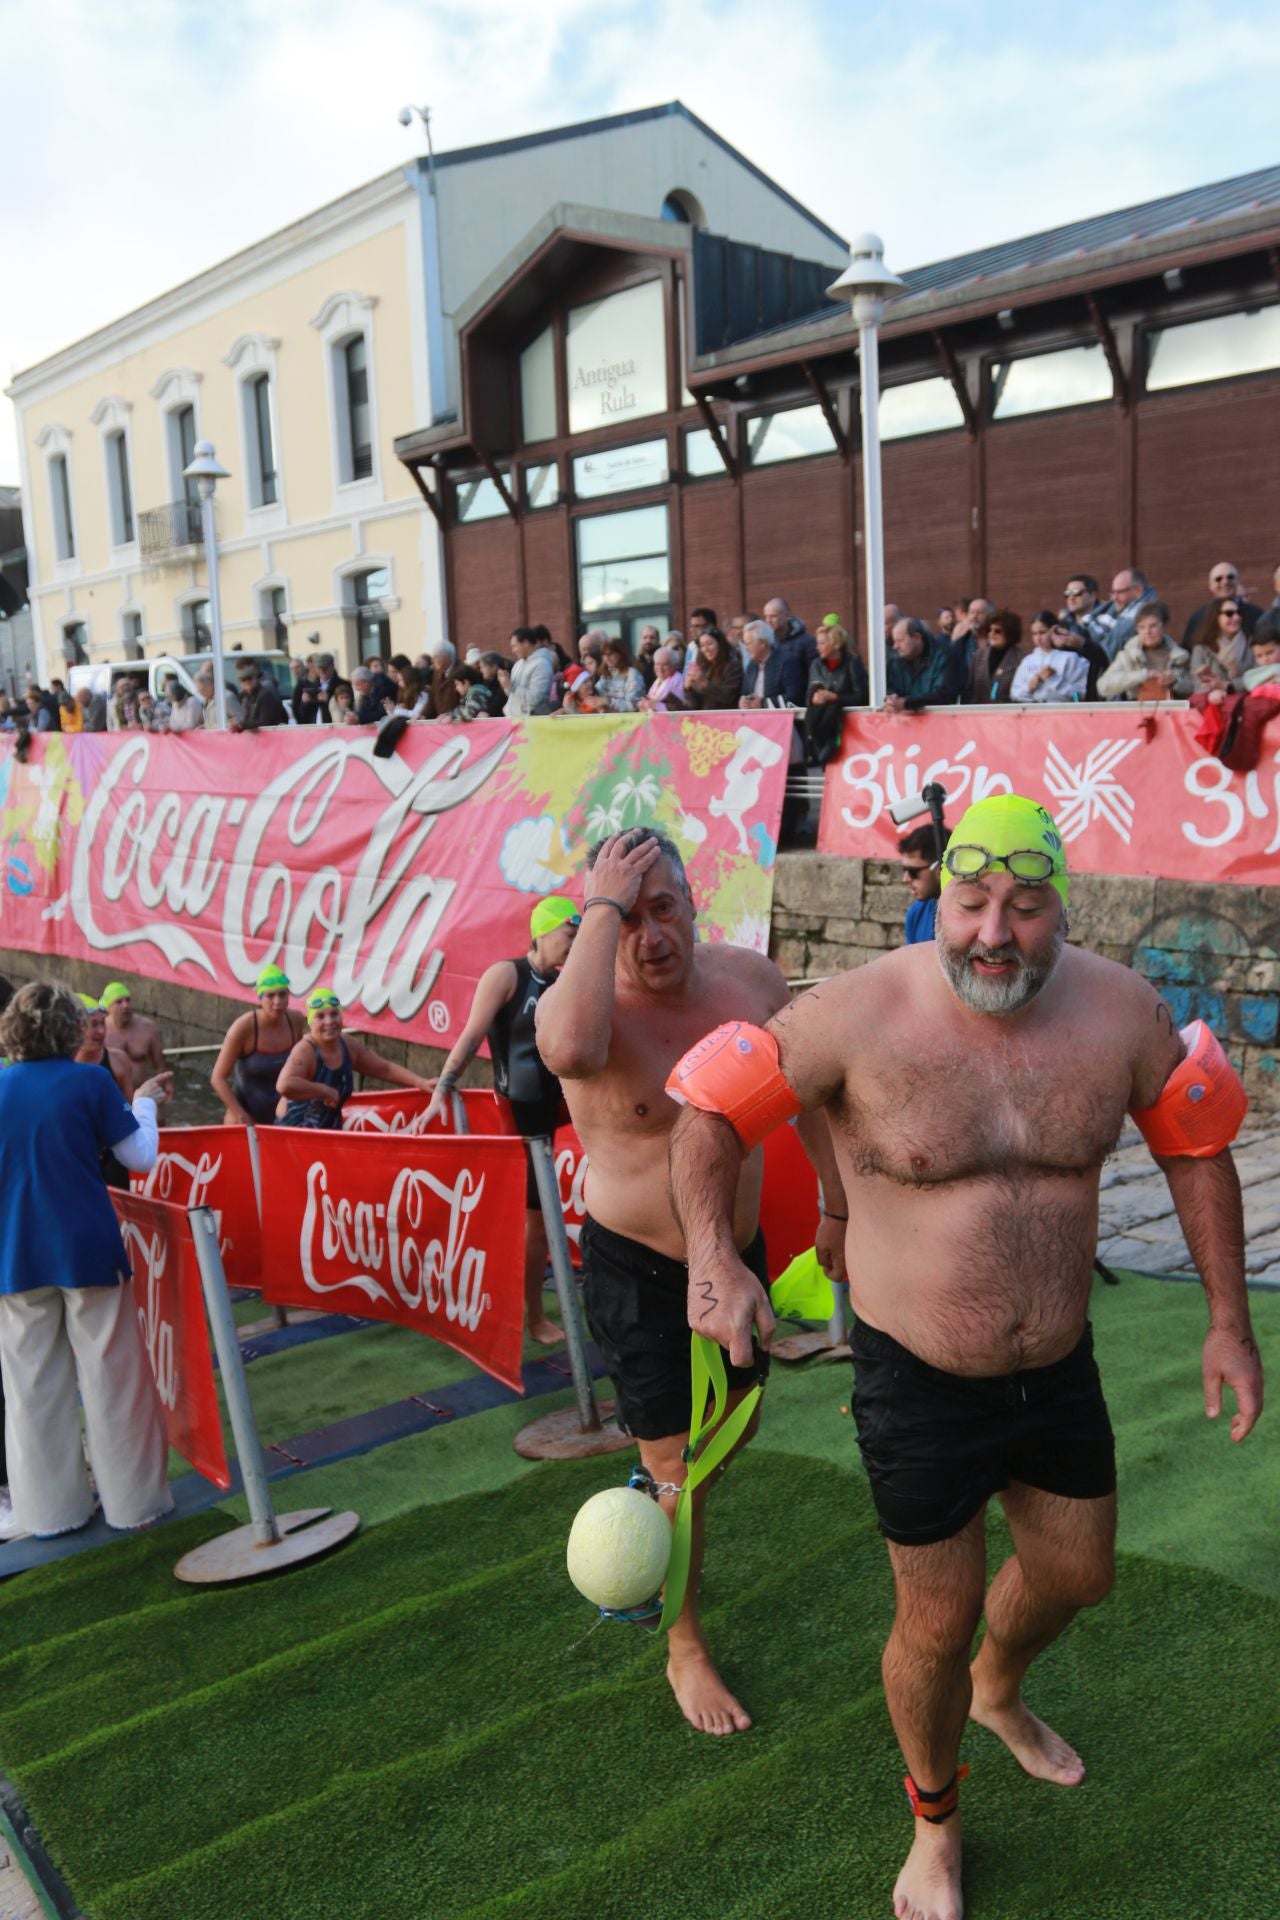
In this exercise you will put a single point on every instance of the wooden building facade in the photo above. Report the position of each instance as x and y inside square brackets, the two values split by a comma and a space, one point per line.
[632, 443]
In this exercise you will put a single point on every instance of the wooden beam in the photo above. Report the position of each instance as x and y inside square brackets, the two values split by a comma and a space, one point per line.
[1107, 341]
[818, 389]
[717, 435]
[426, 493]
[955, 374]
[486, 461]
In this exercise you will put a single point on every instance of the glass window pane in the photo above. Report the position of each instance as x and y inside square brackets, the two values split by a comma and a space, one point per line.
[121, 492]
[1218, 349]
[922, 406]
[617, 359]
[623, 536]
[615, 469]
[357, 370]
[787, 436]
[541, 486]
[624, 583]
[1076, 377]
[266, 448]
[374, 585]
[700, 456]
[538, 388]
[478, 499]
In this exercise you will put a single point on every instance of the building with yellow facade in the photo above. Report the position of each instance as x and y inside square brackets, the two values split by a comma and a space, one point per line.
[302, 359]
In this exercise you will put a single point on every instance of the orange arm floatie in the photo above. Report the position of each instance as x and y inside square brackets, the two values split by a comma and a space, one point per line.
[1203, 1103]
[734, 1071]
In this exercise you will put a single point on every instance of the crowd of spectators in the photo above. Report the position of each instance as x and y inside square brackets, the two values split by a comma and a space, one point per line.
[972, 652]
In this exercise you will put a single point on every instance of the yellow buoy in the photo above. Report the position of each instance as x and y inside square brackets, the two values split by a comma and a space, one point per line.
[619, 1546]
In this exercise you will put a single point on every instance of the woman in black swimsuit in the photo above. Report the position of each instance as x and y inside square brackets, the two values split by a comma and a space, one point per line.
[254, 1052]
[316, 1080]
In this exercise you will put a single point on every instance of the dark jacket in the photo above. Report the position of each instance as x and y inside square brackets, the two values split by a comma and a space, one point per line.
[715, 695]
[824, 722]
[784, 677]
[1249, 618]
[370, 711]
[796, 641]
[311, 699]
[921, 682]
[262, 707]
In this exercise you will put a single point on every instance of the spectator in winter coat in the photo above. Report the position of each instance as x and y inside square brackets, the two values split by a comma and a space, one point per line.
[771, 672]
[837, 679]
[1149, 666]
[916, 670]
[1220, 654]
[1224, 582]
[1050, 671]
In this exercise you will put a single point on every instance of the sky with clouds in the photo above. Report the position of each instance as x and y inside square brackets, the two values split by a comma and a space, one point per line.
[147, 139]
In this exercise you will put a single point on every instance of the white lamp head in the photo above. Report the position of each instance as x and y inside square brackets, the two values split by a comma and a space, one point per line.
[866, 281]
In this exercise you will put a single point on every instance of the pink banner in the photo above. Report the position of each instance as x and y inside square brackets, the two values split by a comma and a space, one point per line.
[212, 1167]
[1129, 788]
[199, 858]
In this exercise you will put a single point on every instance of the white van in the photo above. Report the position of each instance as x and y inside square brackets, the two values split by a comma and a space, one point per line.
[101, 675]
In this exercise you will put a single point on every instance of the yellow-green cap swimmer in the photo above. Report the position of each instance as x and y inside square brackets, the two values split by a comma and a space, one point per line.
[1001, 826]
[117, 990]
[271, 980]
[321, 999]
[551, 913]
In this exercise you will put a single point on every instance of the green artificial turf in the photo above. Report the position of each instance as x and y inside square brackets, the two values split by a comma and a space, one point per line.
[425, 1727]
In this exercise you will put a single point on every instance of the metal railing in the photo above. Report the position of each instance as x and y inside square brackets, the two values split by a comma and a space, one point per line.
[165, 532]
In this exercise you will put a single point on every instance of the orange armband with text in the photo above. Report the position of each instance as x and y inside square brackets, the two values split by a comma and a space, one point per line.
[1203, 1102]
[734, 1071]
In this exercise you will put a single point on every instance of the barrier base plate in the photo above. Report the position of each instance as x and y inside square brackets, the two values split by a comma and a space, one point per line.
[238, 1556]
[809, 1346]
[560, 1436]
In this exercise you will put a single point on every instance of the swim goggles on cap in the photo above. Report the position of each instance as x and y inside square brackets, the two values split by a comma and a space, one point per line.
[970, 863]
[320, 1001]
[272, 980]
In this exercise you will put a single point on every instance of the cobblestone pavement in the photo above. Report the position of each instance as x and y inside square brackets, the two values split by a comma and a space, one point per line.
[1139, 1228]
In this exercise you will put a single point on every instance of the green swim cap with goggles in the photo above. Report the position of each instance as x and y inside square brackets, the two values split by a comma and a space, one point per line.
[271, 980]
[1007, 832]
[556, 911]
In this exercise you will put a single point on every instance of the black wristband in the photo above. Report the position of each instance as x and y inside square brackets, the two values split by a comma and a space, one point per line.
[603, 900]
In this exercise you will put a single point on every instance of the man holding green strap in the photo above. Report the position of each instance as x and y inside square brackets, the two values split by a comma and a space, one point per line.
[974, 1088]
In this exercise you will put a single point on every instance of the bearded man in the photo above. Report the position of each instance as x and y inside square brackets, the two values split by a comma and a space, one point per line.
[974, 1087]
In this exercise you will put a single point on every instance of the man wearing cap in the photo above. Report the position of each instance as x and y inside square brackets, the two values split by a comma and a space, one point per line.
[134, 1036]
[502, 1011]
[975, 1088]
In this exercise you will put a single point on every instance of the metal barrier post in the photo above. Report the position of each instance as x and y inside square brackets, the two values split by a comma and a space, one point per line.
[268, 1542]
[562, 1435]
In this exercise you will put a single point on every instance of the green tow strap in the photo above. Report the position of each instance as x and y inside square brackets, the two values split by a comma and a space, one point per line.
[721, 1436]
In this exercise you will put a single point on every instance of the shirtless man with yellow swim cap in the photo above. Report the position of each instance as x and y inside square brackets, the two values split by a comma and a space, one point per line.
[974, 1089]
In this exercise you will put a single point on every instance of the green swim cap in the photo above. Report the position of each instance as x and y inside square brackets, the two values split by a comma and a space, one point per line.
[320, 999]
[557, 911]
[1006, 823]
[116, 991]
[832, 620]
[89, 1003]
[271, 980]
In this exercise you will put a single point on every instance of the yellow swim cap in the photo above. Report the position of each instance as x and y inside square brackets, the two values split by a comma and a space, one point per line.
[1004, 824]
[556, 911]
[117, 990]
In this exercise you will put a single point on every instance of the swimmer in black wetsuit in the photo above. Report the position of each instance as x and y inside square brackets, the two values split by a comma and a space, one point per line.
[503, 1010]
[256, 1047]
[316, 1080]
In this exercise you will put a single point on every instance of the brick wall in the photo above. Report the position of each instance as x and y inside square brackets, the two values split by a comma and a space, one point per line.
[1211, 951]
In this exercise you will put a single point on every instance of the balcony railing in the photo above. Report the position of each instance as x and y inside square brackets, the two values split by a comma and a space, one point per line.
[166, 532]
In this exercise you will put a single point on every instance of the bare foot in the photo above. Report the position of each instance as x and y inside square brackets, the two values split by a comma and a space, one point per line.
[929, 1885]
[702, 1695]
[545, 1332]
[1043, 1753]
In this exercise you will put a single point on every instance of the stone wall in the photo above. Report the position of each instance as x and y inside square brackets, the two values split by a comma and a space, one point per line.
[1211, 951]
[1214, 952]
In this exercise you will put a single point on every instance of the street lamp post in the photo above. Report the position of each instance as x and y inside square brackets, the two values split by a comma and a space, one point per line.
[206, 470]
[865, 282]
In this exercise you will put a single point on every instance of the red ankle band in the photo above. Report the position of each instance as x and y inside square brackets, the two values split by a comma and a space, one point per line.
[939, 1806]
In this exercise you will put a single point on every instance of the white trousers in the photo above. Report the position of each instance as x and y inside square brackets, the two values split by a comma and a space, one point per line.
[54, 1340]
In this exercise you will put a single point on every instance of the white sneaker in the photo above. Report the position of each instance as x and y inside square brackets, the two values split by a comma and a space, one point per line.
[9, 1528]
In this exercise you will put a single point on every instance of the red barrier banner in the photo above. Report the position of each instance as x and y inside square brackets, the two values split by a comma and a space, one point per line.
[422, 1232]
[1130, 790]
[405, 1111]
[170, 1302]
[200, 858]
[789, 1199]
[212, 1167]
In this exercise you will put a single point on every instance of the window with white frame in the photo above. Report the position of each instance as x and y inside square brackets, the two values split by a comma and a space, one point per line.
[180, 429]
[131, 635]
[64, 528]
[345, 324]
[119, 489]
[355, 427]
[75, 643]
[252, 360]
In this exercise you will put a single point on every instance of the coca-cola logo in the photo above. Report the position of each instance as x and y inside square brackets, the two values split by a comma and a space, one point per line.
[358, 1119]
[186, 1182]
[148, 1253]
[158, 860]
[571, 1177]
[412, 1246]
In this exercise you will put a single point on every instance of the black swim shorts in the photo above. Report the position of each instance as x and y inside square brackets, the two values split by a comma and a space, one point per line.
[937, 1445]
[636, 1302]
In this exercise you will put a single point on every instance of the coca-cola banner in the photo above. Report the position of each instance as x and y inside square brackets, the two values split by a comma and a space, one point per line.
[1129, 788]
[167, 1292]
[200, 858]
[421, 1231]
[404, 1110]
[212, 1167]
